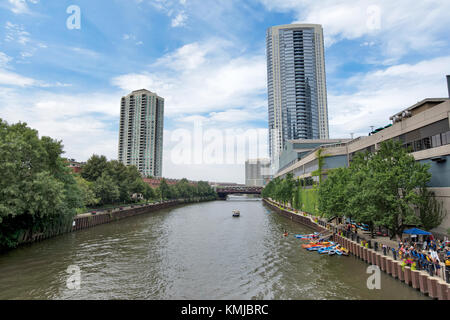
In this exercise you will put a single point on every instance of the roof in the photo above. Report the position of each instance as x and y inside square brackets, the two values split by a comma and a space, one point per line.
[433, 101]
[417, 232]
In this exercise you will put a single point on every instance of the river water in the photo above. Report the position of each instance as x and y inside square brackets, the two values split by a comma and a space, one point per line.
[196, 251]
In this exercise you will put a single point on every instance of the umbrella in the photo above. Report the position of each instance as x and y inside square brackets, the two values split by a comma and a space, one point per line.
[417, 231]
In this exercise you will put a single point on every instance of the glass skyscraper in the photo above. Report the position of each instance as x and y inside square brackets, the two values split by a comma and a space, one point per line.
[297, 94]
[141, 132]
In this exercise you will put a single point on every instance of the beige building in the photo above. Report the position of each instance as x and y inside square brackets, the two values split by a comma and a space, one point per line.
[257, 172]
[141, 132]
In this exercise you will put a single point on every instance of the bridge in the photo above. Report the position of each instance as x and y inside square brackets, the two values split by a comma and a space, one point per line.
[224, 191]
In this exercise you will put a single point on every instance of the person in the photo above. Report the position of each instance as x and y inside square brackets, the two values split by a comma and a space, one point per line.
[424, 247]
[447, 268]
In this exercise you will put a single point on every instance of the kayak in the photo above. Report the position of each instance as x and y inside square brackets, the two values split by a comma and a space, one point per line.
[315, 244]
[342, 252]
[326, 249]
[307, 236]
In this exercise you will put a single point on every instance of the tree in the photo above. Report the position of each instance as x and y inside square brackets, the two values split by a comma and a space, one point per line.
[94, 168]
[431, 211]
[38, 192]
[87, 191]
[333, 193]
[320, 162]
[149, 193]
[164, 190]
[384, 184]
[106, 189]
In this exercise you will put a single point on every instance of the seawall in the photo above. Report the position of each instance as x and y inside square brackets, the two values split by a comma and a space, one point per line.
[432, 286]
[89, 220]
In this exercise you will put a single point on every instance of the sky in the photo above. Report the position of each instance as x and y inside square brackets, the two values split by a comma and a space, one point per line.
[64, 65]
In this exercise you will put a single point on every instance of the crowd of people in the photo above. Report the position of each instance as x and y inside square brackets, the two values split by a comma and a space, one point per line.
[426, 255]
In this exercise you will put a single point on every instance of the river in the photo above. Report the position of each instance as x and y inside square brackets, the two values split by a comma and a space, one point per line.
[196, 251]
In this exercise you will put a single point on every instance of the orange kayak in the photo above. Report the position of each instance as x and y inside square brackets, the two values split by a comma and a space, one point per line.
[314, 244]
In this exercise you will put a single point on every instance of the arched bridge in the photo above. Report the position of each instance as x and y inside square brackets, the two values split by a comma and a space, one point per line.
[224, 191]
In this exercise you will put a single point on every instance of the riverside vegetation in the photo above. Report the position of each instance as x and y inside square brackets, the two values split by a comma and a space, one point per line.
[385, 189]
[40, 193]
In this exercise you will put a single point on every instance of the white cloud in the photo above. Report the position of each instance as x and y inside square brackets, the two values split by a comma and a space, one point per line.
[202, 77]
[398, 25]
[4, 59]
[82, 122]
[14, 79]
[179, 20]
[19, 6]
[16, 33]
[381, 93]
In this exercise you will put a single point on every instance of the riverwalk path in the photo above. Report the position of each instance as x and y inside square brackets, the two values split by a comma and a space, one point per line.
[433, 286]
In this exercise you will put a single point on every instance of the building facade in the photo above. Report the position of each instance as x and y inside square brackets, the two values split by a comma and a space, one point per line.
[297, 96]
[257, 172]
[141, 132]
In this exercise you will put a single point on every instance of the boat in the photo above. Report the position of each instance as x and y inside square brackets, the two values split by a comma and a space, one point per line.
[315, 244]
[236, 213]
[332, 252]
[307, 236]
[326, 249]
[321, 247]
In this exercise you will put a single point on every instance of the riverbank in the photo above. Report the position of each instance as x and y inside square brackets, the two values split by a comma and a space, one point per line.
[432, 286]
[89, 220]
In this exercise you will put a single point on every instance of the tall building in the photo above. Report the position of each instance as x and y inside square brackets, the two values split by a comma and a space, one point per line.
[141, 131]
[257, 172]
[297, 92]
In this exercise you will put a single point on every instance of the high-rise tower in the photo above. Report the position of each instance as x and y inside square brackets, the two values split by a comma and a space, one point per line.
[141, 132]
[297, 93]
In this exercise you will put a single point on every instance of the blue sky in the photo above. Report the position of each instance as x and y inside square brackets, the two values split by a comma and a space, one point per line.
[207, 59]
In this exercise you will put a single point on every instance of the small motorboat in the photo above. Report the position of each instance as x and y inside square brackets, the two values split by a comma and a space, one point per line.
[236, 213]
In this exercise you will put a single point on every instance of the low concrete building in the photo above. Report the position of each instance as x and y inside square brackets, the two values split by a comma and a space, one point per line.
[294, 150]
[423, 128]
[257, 172]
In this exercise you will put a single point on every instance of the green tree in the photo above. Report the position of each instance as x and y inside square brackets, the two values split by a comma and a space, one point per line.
[106, 189]
[384, 187]
[94, 168]
[164, 190]
[320, 163]
[431, 211]
[149, 193]
[87, 191]
[37, 189]
[333, 193]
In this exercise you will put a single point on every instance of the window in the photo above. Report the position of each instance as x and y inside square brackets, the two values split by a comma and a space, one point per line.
[417, 145]
[444, 138]
[436, 141]
[427, 143]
